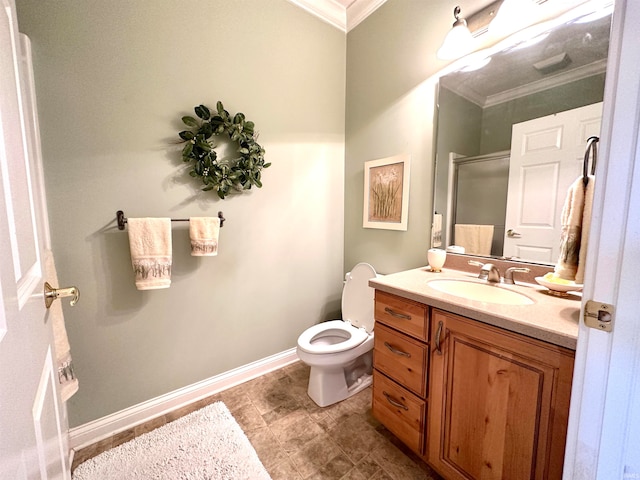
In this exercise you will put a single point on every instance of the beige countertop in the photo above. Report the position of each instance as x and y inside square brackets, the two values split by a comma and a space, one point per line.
[549, 318]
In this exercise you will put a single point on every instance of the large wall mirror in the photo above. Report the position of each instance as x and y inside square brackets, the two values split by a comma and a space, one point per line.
[511, 138]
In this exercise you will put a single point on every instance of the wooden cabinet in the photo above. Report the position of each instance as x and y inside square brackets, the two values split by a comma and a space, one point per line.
[476, 401]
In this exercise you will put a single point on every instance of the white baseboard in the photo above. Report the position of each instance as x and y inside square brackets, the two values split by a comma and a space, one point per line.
[92, 432]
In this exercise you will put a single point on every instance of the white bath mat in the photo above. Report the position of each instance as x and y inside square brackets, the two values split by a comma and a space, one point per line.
[206, 444]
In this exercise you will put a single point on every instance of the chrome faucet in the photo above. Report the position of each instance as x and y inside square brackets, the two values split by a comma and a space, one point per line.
[508, 275]
[488, 271]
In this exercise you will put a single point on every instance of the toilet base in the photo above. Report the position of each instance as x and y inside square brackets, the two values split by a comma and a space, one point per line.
[332, 385]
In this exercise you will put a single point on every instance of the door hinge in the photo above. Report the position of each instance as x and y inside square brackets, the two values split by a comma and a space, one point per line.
[599, 315]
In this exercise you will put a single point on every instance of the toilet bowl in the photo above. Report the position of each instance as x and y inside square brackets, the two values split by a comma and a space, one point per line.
[339, 352]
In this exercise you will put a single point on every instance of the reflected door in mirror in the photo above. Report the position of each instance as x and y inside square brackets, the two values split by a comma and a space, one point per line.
[546, 157]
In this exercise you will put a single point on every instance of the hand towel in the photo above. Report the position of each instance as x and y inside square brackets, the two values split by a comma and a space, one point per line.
[476, 239]
[436, 230]
[204, 233]
[66, 375]
[150, 244]
[571, 231]
[586, 225]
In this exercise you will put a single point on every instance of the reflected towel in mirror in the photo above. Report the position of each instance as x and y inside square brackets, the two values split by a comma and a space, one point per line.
[476, 239]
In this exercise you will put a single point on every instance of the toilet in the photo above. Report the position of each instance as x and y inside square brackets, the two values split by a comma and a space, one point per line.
[340, 352]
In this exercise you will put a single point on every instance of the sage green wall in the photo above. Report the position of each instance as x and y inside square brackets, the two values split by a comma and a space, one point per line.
[390, 110]
[113, 79]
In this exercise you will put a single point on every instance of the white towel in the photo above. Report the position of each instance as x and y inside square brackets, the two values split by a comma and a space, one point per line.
[476, 239]
[66, 375]
[204, 233]
[573, 231]
[436, 230]
[150, 244]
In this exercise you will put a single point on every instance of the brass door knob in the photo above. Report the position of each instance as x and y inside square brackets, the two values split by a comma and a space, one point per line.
[50, 294]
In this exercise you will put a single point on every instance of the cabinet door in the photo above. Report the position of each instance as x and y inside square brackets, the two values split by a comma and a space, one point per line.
[499, 402]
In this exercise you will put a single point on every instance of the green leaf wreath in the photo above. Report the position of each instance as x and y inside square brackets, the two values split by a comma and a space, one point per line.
[222, 175]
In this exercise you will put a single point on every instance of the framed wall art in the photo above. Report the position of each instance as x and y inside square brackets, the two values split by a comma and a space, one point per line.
[386, 193]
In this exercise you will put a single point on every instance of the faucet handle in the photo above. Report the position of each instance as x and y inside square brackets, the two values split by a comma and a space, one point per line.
[476, 263]
[508, 275]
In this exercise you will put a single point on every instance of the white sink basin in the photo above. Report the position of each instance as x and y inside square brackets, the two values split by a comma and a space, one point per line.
[484, 292]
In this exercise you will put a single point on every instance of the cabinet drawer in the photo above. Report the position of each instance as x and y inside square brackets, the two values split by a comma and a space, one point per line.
[404, 315]
[403, 413]
[401, 358]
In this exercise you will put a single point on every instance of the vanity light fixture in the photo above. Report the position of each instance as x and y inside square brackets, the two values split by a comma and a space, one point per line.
[512, 16]
[500, 19]
[458, 41]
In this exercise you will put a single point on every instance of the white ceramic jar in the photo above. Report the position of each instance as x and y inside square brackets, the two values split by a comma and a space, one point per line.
[436, 258]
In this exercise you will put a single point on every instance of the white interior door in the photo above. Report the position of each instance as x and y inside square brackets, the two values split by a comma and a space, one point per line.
[604, 419]
[546, 157]
[33, 438]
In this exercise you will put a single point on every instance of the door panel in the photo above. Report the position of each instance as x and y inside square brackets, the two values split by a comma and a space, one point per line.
[32, 417]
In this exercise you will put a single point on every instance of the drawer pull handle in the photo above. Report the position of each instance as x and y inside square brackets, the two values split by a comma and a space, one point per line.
[396, 314]
[393, 402]
[438, 334]
[396, 351]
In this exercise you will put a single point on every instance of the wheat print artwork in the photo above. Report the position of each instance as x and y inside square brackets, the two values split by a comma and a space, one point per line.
[385, 193]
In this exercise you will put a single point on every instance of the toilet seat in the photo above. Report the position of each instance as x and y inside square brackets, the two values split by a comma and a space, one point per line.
[311, 340]
[357, 311]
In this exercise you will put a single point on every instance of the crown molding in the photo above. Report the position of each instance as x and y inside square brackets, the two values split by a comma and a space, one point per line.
[557, 80]
[331, 12]
[546, 83]
[336, 15]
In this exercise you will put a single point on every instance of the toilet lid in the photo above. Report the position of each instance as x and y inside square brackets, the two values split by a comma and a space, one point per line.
[357, 297]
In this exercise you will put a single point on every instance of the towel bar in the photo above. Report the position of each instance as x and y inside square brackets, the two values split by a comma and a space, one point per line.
[121, 219]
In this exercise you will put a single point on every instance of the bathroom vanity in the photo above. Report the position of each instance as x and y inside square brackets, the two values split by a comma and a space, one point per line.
[477, 389]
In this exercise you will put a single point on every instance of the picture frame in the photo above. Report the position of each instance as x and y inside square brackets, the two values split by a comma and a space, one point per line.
[386, 193]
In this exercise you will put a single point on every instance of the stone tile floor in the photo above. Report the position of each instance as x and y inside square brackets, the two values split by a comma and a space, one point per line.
[295, 439]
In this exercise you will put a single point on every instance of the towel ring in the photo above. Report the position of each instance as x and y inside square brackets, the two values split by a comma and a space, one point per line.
[591, 146]
[121, 219]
